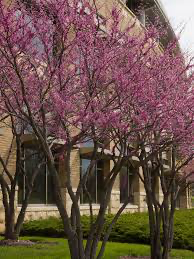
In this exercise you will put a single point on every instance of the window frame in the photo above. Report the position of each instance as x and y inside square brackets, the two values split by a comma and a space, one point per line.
[130, 193]
[46, 173]
[96, 169]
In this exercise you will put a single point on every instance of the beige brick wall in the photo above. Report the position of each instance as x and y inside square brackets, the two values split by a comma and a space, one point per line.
[42, 212]
[5, 144]
[75, 177]
[75, 167]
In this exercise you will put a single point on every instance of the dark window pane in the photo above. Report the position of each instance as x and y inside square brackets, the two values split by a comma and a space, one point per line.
[123, 184]
[178, 203]
[20, 189]
[100, 184]
[50, 186]
[91, 182]
[131, 186]
[32, 159]
[170, 183]
[43, 185]
[126, 185]
[94, 183]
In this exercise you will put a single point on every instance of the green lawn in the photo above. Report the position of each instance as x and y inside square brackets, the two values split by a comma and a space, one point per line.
[60, 250]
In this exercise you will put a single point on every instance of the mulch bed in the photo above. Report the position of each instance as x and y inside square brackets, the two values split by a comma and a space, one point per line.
[25, 242]
[134, 257]
[10, 242]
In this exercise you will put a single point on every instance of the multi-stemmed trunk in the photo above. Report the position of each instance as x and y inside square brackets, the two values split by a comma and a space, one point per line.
[72, 227]
[13, 223]
[8, 198]
[9, 205]
[160, 217]
[154, 225]
[10, 227]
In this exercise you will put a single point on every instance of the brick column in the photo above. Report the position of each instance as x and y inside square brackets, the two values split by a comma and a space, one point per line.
[75, 177]
[159, 193]
[114, 203]
[139, 193]
[184, 200]
[2, 215]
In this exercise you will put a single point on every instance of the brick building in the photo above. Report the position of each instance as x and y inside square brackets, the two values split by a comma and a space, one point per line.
[41, 203]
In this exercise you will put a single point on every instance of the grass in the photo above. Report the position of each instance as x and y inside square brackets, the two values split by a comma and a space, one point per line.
[60, 250]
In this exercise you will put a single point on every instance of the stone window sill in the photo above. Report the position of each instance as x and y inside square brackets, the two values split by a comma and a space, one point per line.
[130, 206]
[87, 206]
[40, 207]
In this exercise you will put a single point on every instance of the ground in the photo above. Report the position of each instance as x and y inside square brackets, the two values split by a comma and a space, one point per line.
[57, 248]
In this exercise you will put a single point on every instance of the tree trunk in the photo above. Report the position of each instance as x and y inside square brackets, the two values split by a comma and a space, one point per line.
[10, 216]
[168, 232]
[76, 250]
[154, 224]
[74, 247]
[9, 227]
[156, 252]
[166, 242]
[22, 213]
[171, 233]
[157, 244]
[166, 251]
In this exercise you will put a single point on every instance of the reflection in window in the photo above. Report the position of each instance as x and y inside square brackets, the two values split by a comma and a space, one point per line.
[137, 9]
[178, 201]
[94, 184]
[90, 143]
[87, 143]
[132, 5]
[42, 189]
[126, 185]
[171, 183]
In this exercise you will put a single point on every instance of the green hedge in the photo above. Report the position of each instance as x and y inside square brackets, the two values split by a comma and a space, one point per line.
[130, 228]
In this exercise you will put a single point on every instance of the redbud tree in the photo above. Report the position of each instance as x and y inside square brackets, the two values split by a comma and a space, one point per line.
[72, 76]
[12, 161]
[156, 114]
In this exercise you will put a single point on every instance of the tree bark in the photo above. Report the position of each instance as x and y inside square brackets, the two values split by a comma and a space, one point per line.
[154, 234]
[9, 227]
[74, 247]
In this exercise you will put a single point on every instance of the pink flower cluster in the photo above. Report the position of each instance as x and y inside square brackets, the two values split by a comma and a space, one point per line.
[60, 70]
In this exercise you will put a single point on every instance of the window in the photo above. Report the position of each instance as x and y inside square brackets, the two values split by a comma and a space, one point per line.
[42, 190]
[87, 143]
[94, 182]
[142, 17]
[178, 201]
[131, 5]
[173, 185]
[24, 127]
[137, 9]
[126, 184]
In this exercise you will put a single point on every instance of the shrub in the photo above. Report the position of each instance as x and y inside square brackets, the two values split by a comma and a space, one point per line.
[51, 227]
[184, 229]
[130, 228]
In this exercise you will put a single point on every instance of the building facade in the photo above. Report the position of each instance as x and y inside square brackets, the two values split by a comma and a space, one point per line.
[127, 184]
